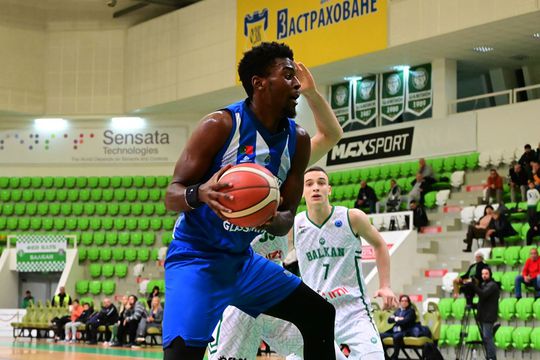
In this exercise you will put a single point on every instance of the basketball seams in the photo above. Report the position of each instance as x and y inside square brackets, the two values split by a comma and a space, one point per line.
[271, 179]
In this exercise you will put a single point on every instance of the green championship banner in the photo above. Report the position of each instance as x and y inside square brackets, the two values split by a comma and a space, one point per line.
[419, 92]
[365, 101]
[392, 95]
[41, 253]
[340, 100]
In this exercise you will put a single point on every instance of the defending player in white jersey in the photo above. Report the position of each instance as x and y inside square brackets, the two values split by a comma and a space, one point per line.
[239, 335]
[329, 251]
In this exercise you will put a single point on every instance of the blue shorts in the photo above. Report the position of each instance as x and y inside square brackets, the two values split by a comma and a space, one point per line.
[200, 285]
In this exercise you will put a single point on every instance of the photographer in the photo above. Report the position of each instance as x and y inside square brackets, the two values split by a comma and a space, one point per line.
[474, 272]
[488, 292]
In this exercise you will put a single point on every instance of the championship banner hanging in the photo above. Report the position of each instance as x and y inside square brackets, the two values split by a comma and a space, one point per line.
[340, 99]
[419, 92]
[41, 253]
[392, 95]
[365, 100]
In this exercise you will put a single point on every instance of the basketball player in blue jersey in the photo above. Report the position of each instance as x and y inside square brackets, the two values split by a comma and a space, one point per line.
[210, 263]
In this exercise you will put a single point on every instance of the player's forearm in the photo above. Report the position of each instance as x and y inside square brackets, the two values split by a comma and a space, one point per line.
[281, 224]
[175, 199]
[382, 258]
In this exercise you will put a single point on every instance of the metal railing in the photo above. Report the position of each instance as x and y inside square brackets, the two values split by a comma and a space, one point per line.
[510, 97]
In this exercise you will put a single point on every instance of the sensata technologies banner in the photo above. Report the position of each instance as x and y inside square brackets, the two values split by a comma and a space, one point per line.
[92, 146]
[318, 31]
[41, 253]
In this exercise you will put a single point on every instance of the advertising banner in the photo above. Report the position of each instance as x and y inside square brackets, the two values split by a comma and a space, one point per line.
[419, 93]
[41, 253]
[365, 102]
[392, 95]
[340, 101]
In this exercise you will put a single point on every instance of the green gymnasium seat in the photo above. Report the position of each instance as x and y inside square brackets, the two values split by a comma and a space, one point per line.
[65, 209]
[507, 308]
[14, 182]
[81, 182]
[8, 209]
[535, 339]
[3, 223]
[123, 238]
[31, 209]
[118, 254]
[107, 195]
[155, 195]
[111, 238]
[430, 199]
[472, 160]
[72, 195]
[95, 287]
[93, 254]
[39, 195]
[59, 224]
[449, 163]
[148, 209]
[131, 195]
[101, 209]
[458, 308]
[442, 335]
[19, 209]
[25, 182]
[508, 281]
[92, 182]
[105, 255]
[143, 195]
[95, 224]
[136, 209]
[514, 238]
[96, 194]
[77, 209]
[116, 182]
[149, 181]
[524, 308]
[84, 195]
[143, 254]
[131, 224]
[87, 238]
[59, 182]
[374, 173]
[162, 181]
[395, 170]
[35, 224]
[108, 287]
[5, 195]
[154, 254]
[143, 224]
[54, 209]
[124, 209]
[95, 270]
[4, 182]
[69, 183]
[16, 195]
[47, 182]
[120, 270]
[149, 238]
[83, 224]
[497, 257]
[127, 182]
[384, 172]
[453, 334]
[460, 162]
[511, 255]
[166, 238]
[138, 181]
[119, 195]
[130, 254]
[27, 195]
[337, 193]
[497, 276]
[81, 287]
[50, 195]
[47, 223]
[119, 224]
[136, 238]
[473, 335]
[113, 209]
[24, 224]
[168, 223]
[99, 238]
[355, 176]
[107, 223]
[503, 337]
[437, 165]
[104, 182]
[107, 270]
[83, 254]
[524, 252]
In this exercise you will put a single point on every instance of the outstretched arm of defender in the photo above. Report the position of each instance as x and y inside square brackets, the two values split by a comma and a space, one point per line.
[361, 225]
[329, 132]
[196, 160]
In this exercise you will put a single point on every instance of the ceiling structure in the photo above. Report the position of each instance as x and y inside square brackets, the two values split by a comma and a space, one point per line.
[104, 13]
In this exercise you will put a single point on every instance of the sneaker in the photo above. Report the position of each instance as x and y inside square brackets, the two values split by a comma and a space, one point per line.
[73, 341]
[115, 344]
[467, 250]
[140, 340]
[135, 347]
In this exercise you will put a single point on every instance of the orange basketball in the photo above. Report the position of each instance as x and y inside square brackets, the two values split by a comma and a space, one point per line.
[255, 194]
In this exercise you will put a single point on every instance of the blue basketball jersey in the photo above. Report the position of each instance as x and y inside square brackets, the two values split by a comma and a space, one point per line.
[248, 142]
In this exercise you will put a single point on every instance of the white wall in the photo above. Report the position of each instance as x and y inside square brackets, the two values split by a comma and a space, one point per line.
[9, 280]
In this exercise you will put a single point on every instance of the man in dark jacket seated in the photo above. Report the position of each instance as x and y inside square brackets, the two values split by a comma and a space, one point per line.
[404, 320]
[499, 227]
[108, 315]
[474, 272]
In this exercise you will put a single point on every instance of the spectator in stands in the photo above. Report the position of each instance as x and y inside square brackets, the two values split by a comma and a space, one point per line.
[420, 218]
[404, 320]
[108, 315]
[132, 316]
[76, 311]
[419, 189]
[76, 321]
[533, 196]
[114, 327]
[154, 318]
[526, 158]
[392, 200]
[538, 153]
[28, 298]
[518, 181]
[427, 171]
[366, 197]
[535, 173]
[478, 230]
[499, 227]
[534, 230]
[494, 187]
[152, 295]
[473, 273]
[488, 292]
[60, 322]
[530, 276]
[61, 299]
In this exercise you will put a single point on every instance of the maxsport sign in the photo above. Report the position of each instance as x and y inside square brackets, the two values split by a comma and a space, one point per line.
[372, 146]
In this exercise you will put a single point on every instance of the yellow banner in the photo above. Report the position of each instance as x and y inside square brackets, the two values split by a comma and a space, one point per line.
[318, 31]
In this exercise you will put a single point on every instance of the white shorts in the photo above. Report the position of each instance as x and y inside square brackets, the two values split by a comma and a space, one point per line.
[239, 336]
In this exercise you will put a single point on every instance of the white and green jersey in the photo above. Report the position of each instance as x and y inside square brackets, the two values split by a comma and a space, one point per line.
[272, 247]
[329, 259]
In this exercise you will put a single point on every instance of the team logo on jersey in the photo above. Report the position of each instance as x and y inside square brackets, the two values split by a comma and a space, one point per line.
[338, 223]
[301, 229]
[322, 241]
[267, 159]
[255, 26]
[247, 150]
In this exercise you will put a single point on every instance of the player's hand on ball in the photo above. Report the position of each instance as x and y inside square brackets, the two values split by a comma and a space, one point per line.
[388, 296]
[209, 193]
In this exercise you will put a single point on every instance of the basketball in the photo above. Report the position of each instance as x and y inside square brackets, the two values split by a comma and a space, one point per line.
[255, 194]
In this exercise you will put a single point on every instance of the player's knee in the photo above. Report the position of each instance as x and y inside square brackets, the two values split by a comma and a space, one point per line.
[179, 350]
[328, 313]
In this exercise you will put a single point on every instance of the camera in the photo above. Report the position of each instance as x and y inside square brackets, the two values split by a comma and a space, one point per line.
[468, 291]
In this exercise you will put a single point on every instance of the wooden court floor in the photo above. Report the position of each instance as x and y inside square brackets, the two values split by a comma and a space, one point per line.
[25, 349]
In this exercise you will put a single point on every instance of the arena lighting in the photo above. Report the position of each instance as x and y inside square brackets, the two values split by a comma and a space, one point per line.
[352, 78]
[50, 124]
[401, 67]
[125, 123]
[483, 49]
[536, 35]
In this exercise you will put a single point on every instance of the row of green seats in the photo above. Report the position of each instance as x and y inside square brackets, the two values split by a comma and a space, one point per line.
[114, 238]
[79, 209]
[523, 309]
[82, 195]
[406, 169]
[95, 287]
[82, 182]
[83, 224]
[159, 283]
[512, 255]
[519, 338]
[116, 254]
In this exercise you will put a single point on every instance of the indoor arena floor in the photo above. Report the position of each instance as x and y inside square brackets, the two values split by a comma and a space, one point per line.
[25, 349]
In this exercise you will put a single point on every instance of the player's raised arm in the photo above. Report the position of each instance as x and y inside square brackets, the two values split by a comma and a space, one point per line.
[329, 132]
[184, 193]
[292, 188]
[362, 226]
